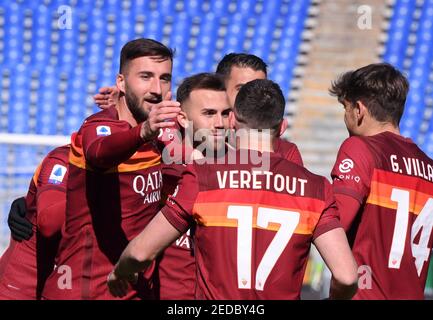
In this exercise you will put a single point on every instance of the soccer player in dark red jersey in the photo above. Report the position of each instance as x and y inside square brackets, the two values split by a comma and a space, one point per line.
[115, 178]
[240, 68]
[205, 114]
[25, 265]
[383, 184]
[237, 69]
[255, 225]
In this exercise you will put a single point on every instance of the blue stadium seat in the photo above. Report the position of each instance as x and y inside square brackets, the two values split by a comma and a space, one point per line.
[47, 107]
[419, 74]
[41, 37]
[262, 39]
[3, 156]
[398, 33]
[206, 42]
[272, 8]
[179, 40]
[19, 100]
[219, 7]
[246, 7]
[139, 7]
[25, 157]
[193, 7]
[14, 31]
[411, 120]
[167, 7]
[235, 36]
[76, 96]
[154, 26]
[108, 24]
[112, 7]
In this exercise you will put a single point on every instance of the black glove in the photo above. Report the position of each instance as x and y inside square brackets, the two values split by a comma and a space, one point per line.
[21, 227]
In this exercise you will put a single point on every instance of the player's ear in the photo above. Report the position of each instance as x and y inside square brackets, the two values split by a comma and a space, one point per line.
[182, 119]
[283, 127]
[120, 82]
[232, 120]
[360, 110]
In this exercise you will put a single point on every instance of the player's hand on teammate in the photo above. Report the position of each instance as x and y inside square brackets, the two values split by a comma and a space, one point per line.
[118, 286]
[107, 97]
[161, 115]
[20, 226]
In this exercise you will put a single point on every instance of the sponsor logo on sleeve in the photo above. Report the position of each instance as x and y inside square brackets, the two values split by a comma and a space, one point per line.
[57, 174]
[346, 166]
[103, 131]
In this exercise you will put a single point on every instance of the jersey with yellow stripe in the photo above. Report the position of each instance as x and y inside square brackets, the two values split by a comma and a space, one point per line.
[254, 225]
[106, 207]
[391, 236]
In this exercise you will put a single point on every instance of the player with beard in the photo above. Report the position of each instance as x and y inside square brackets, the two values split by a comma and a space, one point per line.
[253, 233]
[237, 69]
[115, 176]
[204, 116]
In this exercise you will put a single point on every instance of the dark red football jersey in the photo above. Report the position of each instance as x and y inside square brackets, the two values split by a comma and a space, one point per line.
[176, 265]
[391, 235]
[25, 265]
[288, 150]
[113, 191]
[254, 226]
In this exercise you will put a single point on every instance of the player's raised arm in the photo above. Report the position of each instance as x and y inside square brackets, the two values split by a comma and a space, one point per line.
[140, 252]
[118, 144]
[335, 250]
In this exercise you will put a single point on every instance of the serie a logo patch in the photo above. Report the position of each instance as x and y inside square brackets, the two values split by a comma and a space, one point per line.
[57, 174]
[103, 131]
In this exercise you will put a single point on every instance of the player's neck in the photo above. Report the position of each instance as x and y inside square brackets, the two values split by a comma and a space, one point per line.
[261, 142]
[380, 127]
[124, 113]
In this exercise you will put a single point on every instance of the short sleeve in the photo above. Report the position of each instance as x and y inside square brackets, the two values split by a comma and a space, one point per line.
[179, 206]
[288, 151]
[329, 219]
[353, 169]
[295, 156]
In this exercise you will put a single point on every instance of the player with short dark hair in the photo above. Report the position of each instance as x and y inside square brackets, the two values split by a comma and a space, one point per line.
[383, 184]
[205, 107]
[264, 115]
[25, 265]
[240, 68]
[143, 48]
[236, 69]
[115, 178]
[254, 225]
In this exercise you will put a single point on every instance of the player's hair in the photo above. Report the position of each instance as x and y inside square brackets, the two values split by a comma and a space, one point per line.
[240, 60]
[380, 87]
[210, 81]
[143, 48]
[260, 104]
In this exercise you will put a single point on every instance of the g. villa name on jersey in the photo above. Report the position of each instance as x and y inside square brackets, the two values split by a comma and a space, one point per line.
[259, 180]
[412, 167]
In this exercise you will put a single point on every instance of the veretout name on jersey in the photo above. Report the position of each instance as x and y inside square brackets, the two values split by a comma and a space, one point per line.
[259, 180]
